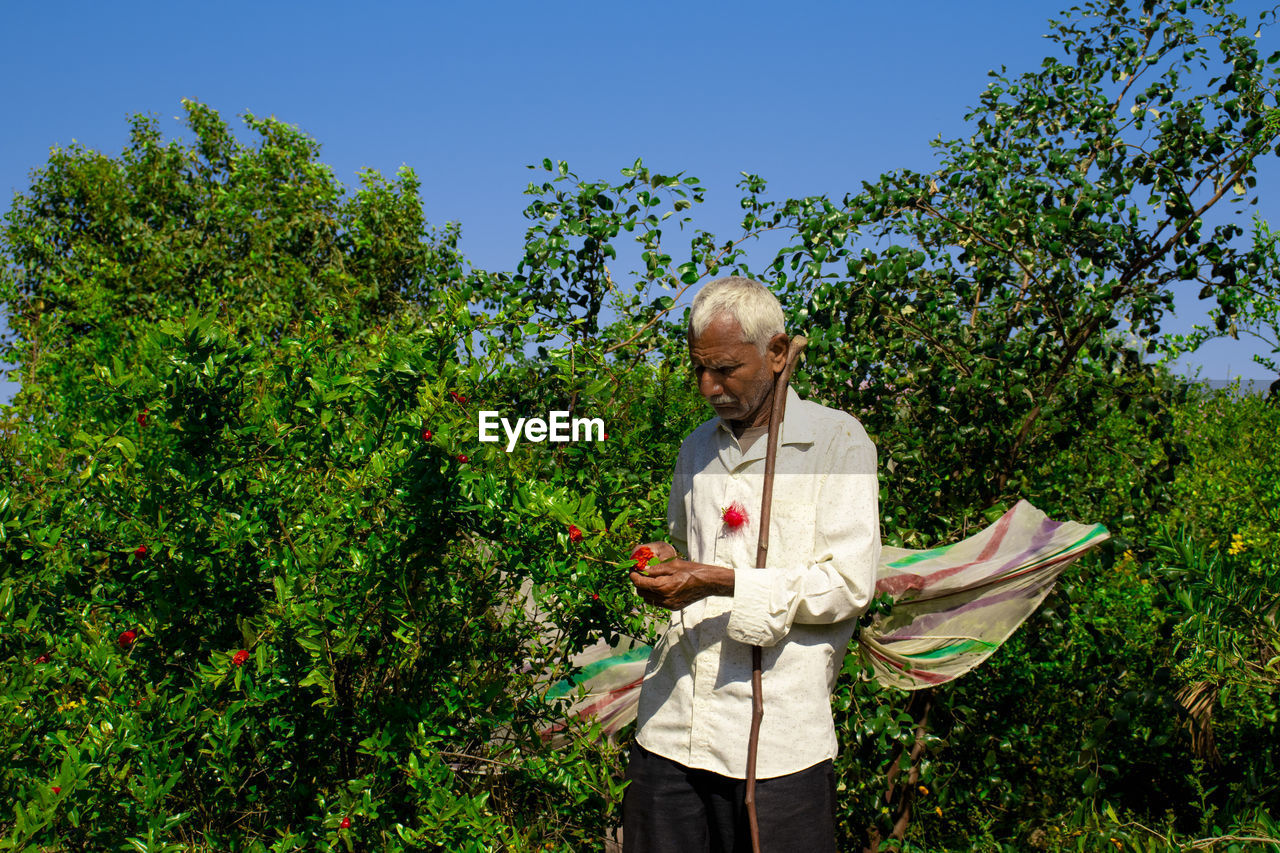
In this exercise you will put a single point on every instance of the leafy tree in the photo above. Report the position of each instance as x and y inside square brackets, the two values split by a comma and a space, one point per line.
[259, 580]
[981, 316]
[101, 248]
[983, 324]
[1251, 307]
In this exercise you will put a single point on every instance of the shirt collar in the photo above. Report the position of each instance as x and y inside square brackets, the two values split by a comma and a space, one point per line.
[797, 428]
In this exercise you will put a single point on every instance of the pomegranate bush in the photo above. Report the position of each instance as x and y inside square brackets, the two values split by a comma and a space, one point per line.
[261, 581]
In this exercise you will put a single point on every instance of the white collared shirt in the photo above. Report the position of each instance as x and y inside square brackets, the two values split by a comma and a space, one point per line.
[824, 544]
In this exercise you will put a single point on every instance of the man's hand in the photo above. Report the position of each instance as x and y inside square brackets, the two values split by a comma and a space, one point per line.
[675, 583]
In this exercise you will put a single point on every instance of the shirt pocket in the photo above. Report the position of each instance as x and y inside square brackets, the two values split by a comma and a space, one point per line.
[794, 518]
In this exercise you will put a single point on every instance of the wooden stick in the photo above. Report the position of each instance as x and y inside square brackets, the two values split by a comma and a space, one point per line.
[903, 818]
[762, 552]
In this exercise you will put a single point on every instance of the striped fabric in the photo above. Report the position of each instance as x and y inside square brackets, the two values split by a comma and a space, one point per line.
[609, 679]
[952, 607]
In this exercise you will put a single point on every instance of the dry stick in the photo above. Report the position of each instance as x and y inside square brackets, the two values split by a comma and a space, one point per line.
[762, 552]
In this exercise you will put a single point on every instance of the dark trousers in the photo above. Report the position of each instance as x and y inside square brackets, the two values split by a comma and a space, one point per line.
[670, 808]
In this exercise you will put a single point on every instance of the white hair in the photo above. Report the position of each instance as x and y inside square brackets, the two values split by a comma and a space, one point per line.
[745, 300]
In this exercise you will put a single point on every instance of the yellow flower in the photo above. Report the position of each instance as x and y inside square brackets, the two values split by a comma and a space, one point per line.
[939, 811]
[923, 790]
[1237, 544]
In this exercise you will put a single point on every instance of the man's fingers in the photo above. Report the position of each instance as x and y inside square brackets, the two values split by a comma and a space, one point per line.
[646, 586]
[654, 551]
[649, 583]
[661, 549]
[667, 591]
[661, 570]
[652, 590]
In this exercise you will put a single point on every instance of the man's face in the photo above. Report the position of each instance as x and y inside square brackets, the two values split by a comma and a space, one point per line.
[733, 376]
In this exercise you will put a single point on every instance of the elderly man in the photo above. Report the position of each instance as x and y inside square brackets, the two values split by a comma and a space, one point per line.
[688, 766]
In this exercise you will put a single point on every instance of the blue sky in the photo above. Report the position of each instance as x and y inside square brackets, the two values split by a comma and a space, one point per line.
[813, 96]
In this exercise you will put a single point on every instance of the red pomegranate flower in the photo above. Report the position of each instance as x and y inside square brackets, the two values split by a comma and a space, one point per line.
[575, 535]
[42, 659]
[142, 417]
[642, 556]
[595, 596]
[240, 658]
[126, 638]
[346, 823]
[141, 552]
[57, 790]
[460, 399]
[734, 515]
[464, 458]
[426, 434]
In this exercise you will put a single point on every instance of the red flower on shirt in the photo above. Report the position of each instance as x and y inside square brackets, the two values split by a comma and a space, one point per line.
[734, 515]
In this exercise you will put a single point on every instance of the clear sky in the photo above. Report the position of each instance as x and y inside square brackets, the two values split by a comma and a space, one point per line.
[815, 95]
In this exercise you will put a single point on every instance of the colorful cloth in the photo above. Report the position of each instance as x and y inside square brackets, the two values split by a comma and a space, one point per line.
[952, 607]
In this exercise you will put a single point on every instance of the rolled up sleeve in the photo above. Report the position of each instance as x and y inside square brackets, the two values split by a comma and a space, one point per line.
[838, 584]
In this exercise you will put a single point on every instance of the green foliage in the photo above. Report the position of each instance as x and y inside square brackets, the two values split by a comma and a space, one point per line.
[1231, 496]
[1248, 308]
[282, 502]
[977, 326]
[254, 236]
[261, 577]
[1220, 563]
[1133, 705]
